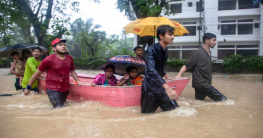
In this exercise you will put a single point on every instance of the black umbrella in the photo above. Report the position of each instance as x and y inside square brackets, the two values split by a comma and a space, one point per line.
[6, 51]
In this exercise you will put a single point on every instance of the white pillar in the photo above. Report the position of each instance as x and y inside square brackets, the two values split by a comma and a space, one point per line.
[261, 32]
[211, 19]
[134, 40]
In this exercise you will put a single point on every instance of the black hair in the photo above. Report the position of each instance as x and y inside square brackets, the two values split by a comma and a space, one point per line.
[37, 48]
[109, 66]
[208, 36]
[13, 53]
[136, 48]
[129, 68]
[25, 51]
[67, 53]
[163, 29]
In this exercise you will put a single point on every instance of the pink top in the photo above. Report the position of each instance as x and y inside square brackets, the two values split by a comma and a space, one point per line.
[100, 80]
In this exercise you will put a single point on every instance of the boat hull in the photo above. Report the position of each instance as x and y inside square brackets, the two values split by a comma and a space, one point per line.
[119, 96]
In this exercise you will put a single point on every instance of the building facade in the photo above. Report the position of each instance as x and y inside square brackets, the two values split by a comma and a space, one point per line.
[238, 25]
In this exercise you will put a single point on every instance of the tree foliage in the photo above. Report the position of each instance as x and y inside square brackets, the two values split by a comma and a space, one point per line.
[88, 41]
[144, 8]
[40, 15]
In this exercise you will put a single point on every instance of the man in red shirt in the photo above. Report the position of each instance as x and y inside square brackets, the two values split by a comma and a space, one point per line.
[58, 66]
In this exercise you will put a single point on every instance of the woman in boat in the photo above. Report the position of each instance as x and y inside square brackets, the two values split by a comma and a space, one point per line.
[132, 78]
[107, 79]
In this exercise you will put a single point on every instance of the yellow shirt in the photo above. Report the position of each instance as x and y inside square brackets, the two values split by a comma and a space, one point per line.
[31, 68]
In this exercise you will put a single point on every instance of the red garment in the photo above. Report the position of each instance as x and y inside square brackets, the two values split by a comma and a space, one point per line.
[57, 72]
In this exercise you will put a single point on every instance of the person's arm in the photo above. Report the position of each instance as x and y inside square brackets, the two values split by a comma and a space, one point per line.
[12, 68]
[32, 80]
[191, 63]
[182, 70]
[75, 76]
[170, 92]
[122, 81]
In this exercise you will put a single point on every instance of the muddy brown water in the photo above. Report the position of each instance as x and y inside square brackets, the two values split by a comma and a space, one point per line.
[241, 116]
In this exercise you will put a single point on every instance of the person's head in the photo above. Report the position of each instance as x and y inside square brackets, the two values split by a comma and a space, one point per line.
[209, 39]
[109, 70]
[59, 46]
[26, 53]
[36, 51]
[15, 55]
[165, 33]
[138, 51]
[132, 71]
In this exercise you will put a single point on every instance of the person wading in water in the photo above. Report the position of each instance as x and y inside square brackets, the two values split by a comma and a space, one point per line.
[155, 91]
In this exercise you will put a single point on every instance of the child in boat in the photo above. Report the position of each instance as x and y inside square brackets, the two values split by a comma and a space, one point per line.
[107, 79]
[132, 78]
[19, 69]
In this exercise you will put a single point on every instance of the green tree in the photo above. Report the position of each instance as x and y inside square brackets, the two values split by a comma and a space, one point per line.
[87, 37]
[43, 14]
[143, 9]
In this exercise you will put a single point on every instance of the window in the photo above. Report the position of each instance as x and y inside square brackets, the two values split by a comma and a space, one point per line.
[225, 53]
[174, 54]
[191, 27]
[198, 7]
[247, 53]
[246, 4]
[245, 26]
[186, 54]
[181, 51]
[226, 5]
[237, 27]
[244, 50]
[191, 30]
[228, 29]
[176, 8]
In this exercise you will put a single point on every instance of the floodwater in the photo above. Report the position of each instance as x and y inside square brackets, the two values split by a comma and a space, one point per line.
[241, 116]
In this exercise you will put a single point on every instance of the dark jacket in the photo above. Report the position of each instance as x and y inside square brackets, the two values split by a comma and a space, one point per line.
[156, 56]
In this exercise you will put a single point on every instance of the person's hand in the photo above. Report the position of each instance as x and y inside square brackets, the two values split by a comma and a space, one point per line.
[79, 83]
[143, 76]
[26, 92]
[167, 77]
[171, 94]
[177, 77]
[125, 77]
[93, 84]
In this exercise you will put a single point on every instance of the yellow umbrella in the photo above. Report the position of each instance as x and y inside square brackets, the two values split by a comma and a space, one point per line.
[147, 26]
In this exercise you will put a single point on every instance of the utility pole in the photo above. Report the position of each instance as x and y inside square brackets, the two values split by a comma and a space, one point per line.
[201, 27]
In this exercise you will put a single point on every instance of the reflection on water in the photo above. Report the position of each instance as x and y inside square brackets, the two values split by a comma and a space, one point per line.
[33, 116]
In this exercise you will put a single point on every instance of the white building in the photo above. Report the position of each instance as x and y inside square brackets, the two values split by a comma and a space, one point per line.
[237, 24]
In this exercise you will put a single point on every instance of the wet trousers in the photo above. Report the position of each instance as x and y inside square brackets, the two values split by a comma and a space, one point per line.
[17, 84]
[57, 98]
[211, 92]
[149, 103]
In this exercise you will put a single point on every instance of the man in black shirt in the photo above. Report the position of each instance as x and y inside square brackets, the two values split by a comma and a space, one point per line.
[155, 91]
[201, 64]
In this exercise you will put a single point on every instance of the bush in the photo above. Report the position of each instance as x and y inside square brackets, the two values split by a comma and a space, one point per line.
[176, 62]
[254, 63]
[4, 61]
[233, 63]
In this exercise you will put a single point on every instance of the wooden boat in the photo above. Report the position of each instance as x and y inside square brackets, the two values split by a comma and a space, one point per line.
[119, 96]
